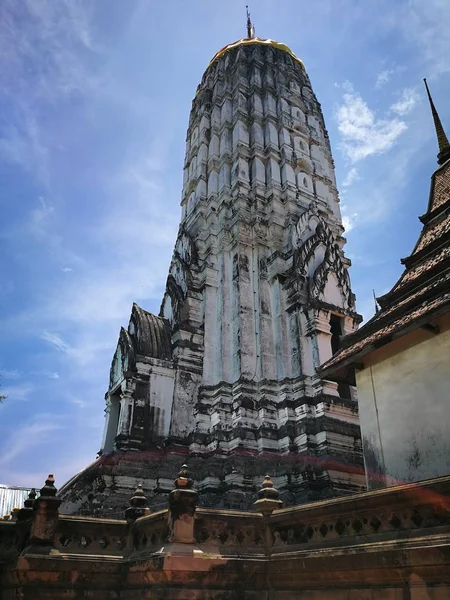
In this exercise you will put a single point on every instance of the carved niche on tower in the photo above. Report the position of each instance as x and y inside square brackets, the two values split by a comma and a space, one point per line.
[184, 259]
[318, 260]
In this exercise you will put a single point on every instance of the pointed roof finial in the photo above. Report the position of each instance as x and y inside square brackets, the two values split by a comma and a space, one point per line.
[444, 146]
[250, 27]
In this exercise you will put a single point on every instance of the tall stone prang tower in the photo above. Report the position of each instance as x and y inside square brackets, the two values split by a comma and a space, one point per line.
[257, 297]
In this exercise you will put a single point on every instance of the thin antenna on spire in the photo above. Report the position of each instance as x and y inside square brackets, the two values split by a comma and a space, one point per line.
[444, 146]
[377, 307]
[250, 27]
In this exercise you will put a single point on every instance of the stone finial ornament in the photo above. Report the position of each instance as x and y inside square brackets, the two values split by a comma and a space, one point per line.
[49, 490]
[269, 498]
[27, 511]
[250, 26]
[182, 504]
[138, 505]
[183, 480]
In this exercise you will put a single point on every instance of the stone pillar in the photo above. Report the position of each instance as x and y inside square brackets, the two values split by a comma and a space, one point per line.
[45, 520]
[182, 504]
[323, 333]
[126, 400]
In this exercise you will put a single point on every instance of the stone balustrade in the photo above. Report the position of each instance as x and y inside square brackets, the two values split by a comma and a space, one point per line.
[389, 514]
[84, 535]
[381, 538]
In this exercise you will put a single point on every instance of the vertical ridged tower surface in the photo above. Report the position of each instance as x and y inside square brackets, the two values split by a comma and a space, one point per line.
[256, 299]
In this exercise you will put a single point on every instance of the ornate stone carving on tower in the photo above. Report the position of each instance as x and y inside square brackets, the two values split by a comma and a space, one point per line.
[257, 297]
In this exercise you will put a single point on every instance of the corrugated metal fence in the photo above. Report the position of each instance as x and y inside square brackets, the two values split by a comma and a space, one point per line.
[12, 496]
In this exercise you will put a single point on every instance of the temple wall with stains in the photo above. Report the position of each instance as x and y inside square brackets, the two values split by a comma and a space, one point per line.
[404, 409]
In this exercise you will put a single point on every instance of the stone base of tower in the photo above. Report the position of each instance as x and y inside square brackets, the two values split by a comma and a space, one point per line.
[223, 480]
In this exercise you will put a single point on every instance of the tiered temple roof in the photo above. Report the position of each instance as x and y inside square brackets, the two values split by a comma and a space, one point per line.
[423, 291]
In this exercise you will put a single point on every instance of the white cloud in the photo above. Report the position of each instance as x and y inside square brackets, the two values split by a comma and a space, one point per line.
[406, 102]
[66, 269]
[363, 134]
[351, 177]
[383, 77]
[348, 220]
[55, 340]
[382, 195]
[77, 401]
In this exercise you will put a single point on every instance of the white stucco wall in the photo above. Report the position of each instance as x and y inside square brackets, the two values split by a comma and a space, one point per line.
[404, 407]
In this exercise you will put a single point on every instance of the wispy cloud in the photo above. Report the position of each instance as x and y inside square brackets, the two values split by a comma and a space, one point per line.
[26, 437]
[55, 340]
[46, 373]
[89, 306]
[363, 133]
[351, 177]
[77, 401]
[11, 374]
[60, 30]
[427, 24]
[406, 102]
[17, 392]
[39, 216]
[383, 77]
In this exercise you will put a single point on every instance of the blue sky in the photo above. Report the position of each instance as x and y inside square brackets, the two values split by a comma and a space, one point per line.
[95, 99]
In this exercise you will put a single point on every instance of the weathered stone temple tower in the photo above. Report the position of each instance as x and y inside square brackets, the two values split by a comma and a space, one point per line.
[256, 299]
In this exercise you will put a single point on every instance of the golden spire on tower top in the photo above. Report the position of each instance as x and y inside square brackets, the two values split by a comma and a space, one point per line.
[444, 146]
[250, 27]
